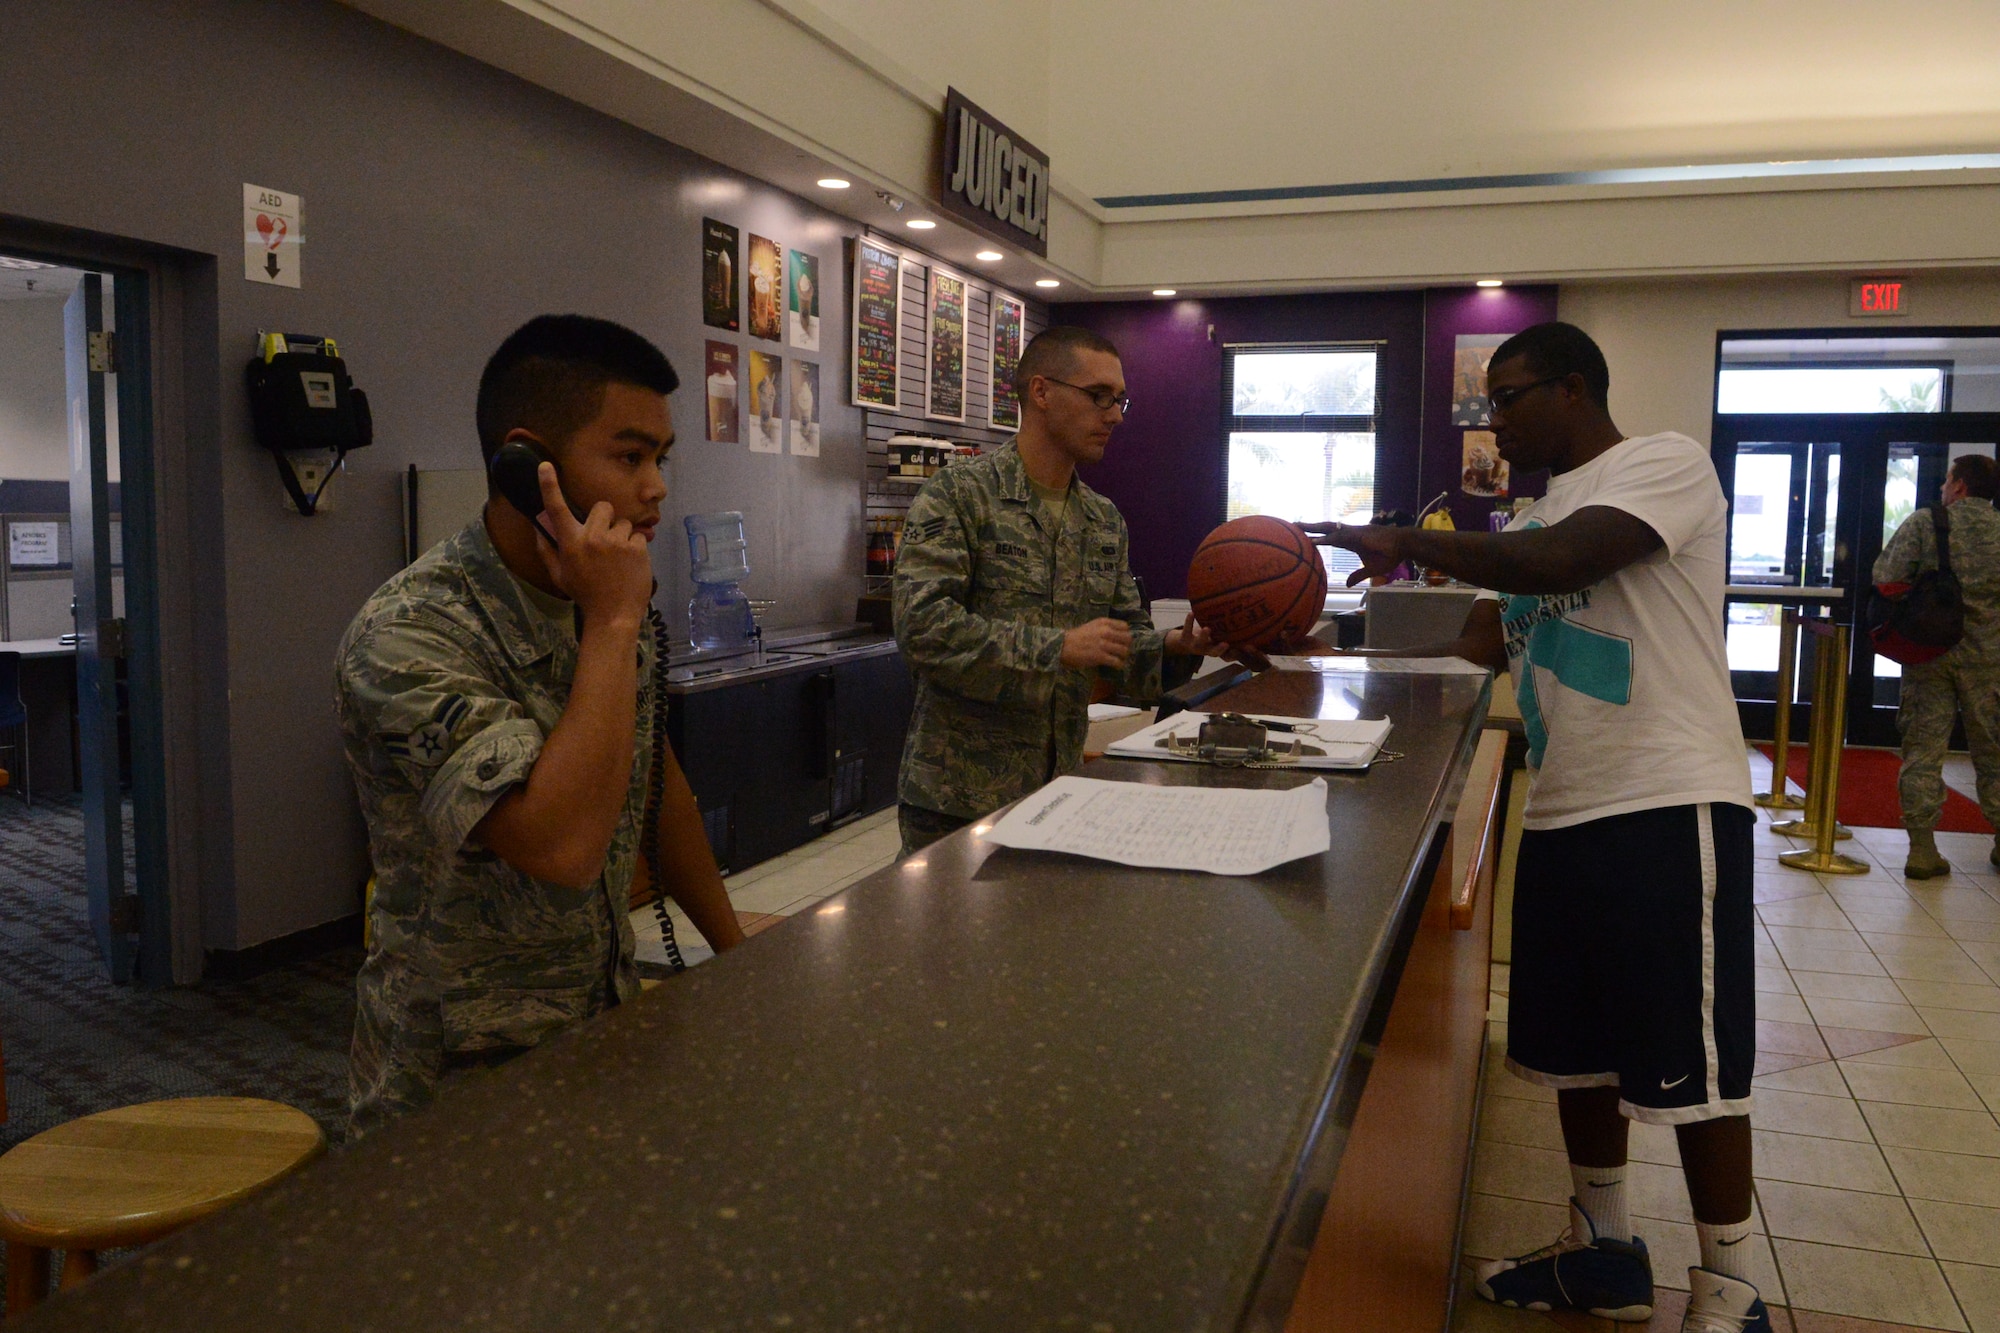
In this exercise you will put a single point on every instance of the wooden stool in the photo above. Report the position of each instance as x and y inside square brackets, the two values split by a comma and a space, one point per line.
[130, 1176]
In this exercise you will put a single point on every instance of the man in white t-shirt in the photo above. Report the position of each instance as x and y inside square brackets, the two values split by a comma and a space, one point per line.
[1632, 983]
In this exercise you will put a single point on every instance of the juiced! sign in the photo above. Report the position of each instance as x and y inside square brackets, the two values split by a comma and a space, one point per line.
[993, 178]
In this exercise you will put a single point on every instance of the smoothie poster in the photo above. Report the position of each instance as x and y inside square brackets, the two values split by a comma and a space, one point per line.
[767, 423]
[802, 300]
[805, 409]
[718, 275]
[1482, 470]
[767, 289]
[1004, 409]
[878, 318]
[722, 374]
[945, 337]
[1470, 353]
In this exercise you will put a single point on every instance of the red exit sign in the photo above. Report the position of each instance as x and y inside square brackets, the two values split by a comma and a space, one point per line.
[1878, 296]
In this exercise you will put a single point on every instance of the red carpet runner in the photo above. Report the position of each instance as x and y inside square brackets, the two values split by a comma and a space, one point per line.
[1868, 792]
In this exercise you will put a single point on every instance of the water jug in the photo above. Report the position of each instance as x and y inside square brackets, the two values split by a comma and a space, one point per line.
[718, 614]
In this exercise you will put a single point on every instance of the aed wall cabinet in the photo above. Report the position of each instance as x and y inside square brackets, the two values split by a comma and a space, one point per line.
[776, 755]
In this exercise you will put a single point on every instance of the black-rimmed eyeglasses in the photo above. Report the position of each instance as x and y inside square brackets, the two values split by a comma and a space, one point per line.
[1505, 397]
[1105, 399]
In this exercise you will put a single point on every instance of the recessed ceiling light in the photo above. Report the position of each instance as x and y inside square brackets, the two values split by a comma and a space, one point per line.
[1163, 291]
[990, 256]
[1487, 282]
[1047, 282]
[920, 224]
[833, 183]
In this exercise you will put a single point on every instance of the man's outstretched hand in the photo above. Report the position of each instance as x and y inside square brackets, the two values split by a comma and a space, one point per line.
[1380, 547]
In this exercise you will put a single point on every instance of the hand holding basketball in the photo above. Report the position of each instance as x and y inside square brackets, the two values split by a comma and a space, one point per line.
[1102, 642]
[1380, 547]
[1256, 581]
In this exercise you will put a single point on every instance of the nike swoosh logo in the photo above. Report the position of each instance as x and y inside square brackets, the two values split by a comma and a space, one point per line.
[1600, 1184]
[1664, 1085]
[1738, 1241]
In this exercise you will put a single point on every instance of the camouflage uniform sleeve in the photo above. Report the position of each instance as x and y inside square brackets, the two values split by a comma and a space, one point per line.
[974, 656]
[456, 737]
[1907, 552]
[1141, 678]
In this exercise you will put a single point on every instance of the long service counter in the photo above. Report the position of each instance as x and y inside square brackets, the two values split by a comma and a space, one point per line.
[982, 1089]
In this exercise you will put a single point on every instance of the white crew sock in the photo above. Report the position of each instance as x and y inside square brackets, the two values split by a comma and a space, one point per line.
[1723, 1250]
[1600, 1192]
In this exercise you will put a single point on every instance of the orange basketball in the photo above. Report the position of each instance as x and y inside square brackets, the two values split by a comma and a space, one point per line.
[1257, 581]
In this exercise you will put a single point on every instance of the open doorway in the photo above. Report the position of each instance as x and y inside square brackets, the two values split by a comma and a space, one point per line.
[1825, 441]
[76, 783]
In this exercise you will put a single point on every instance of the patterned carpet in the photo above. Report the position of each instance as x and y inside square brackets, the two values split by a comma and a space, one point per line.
[74, 1043]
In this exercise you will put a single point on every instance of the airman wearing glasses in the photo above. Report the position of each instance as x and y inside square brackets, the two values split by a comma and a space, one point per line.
[1014, 600]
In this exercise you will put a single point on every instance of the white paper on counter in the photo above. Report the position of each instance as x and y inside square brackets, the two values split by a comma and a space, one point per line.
[1112, 712]
[1406, 666]
[1348, 743]
[1224, 831]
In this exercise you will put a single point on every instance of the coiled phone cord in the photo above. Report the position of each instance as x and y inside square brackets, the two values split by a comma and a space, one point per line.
[656, 787]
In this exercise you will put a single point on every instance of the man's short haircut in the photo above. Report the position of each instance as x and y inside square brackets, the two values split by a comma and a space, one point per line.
[549, 377]
[1554, 350]
[1052, 354]
[1979, 475]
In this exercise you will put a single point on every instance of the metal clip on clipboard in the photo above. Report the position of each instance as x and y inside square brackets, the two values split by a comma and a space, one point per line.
[1230, 740]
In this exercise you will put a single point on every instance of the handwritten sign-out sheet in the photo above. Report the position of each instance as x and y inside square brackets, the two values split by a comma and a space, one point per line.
[1220, 830]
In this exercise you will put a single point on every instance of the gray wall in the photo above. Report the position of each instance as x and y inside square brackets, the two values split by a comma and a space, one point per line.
[34, 439]
[444, 204]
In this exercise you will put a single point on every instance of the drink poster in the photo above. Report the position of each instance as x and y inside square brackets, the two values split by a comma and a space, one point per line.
[802, 300]
[1003, 409]
[878, 319]
[805, 409]
[1483, 470]
[945, 338]
[718, 275]
[767, 289]
[767, 422]
[1470, 353]
[723, 362]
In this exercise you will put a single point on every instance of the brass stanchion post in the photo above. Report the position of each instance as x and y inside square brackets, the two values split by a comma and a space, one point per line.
[1826, 761]
[1780, 796]
[1829, 676]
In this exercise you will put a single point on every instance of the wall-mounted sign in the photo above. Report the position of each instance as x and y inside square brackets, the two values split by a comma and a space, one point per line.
[1003, 409]
[33, 545]
[718, 275]
[878, 318]
[273, 231]
[1876, 297]
[993, 178]
[945, 336]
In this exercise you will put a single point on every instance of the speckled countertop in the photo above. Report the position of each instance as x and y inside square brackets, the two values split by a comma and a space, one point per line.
[983, 1089]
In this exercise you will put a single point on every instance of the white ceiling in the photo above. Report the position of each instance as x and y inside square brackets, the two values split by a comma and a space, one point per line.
[1166, 96]
[27, 280]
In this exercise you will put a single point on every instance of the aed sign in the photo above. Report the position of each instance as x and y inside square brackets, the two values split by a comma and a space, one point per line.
[273, 231]
[993, 178]
[1878, 296]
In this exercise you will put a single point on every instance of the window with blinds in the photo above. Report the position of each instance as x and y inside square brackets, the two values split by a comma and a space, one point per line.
[1301, 430]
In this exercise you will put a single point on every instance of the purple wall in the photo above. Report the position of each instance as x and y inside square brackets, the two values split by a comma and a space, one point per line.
[1164, 469]
[1448, 312]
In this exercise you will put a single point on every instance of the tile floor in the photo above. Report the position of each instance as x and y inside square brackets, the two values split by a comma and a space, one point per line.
[766, 894]
[1877, 1147]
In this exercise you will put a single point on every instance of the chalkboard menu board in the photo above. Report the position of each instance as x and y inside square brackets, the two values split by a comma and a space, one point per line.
[878, 316]
[946, 343]
[1003, 409]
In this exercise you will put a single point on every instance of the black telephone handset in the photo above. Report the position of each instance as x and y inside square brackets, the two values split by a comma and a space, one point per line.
[515, 472]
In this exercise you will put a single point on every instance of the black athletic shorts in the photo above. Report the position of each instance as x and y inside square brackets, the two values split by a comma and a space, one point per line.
[1633, 964]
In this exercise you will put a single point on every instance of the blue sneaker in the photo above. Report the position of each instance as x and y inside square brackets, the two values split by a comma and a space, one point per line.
[1718, 1304]
[1608, 1278]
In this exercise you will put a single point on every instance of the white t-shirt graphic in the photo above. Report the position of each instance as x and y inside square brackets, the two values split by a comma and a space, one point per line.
[1624, 686]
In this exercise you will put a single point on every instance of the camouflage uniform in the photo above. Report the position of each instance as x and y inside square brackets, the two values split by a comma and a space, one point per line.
[1965, 680]
[986, 585]
[446, 684]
